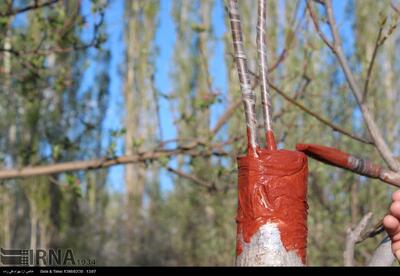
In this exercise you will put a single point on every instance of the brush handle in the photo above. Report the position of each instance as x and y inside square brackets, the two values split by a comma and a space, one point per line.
[363, 166]
[338, 158]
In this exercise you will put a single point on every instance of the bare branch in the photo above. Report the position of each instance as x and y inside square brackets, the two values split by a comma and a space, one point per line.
[378, 43]
[191, 150]
[318, 117]
[321, 2]
[372, 62]
[196, 180]
[316, 25]
[352, 237]
[34, 6]
[372, 127]
[231, 109]
[396, 9]
[225, 116]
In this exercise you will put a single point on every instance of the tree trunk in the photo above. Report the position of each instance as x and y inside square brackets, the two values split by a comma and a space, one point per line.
[272, 209]
[139, 125]
[266, 249]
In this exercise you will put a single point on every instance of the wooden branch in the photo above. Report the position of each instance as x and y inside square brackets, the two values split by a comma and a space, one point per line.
[352, 238]
[318, 117]
[107, 162]
[382, 255]
[396, 9]
[194, 179]
[248, 95]
[316, 25]
[226, 116]
[372, 62]
[372, 127]
[263, 75]
[34, 6]
[36, 51]
[232, 108]
[320, 2]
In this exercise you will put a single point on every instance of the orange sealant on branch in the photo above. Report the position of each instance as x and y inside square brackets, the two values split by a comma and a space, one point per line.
[272, 208]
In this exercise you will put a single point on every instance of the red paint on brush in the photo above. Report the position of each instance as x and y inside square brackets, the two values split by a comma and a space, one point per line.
[270, 140]
[324, 154]
[335, 157]
[272, 189]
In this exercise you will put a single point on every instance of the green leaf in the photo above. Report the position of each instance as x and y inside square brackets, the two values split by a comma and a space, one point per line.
[198, 28]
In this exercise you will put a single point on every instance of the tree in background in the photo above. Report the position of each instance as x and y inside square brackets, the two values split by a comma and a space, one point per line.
[140, 126]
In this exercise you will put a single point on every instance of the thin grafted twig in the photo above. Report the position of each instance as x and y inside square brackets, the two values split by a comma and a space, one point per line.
[263, 67]
[248, 95]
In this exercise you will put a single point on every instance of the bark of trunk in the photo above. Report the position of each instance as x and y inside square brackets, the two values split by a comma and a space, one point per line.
[33, 238]
[272, 209]
[266, 249]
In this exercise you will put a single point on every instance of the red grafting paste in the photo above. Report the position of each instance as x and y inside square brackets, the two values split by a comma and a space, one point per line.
[270, 138]
[324, 154]
[272, 188]
[340, 159]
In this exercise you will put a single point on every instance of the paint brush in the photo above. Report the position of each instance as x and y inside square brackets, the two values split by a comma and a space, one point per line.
[361, 166]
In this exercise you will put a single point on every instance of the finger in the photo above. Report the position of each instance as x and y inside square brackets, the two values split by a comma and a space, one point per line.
[391, 225]
[396, 196]
[395, 209]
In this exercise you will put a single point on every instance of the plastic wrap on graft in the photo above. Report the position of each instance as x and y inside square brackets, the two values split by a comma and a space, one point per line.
[273, 188]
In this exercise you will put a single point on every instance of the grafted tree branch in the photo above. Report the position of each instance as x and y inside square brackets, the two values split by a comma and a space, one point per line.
[248, 95]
